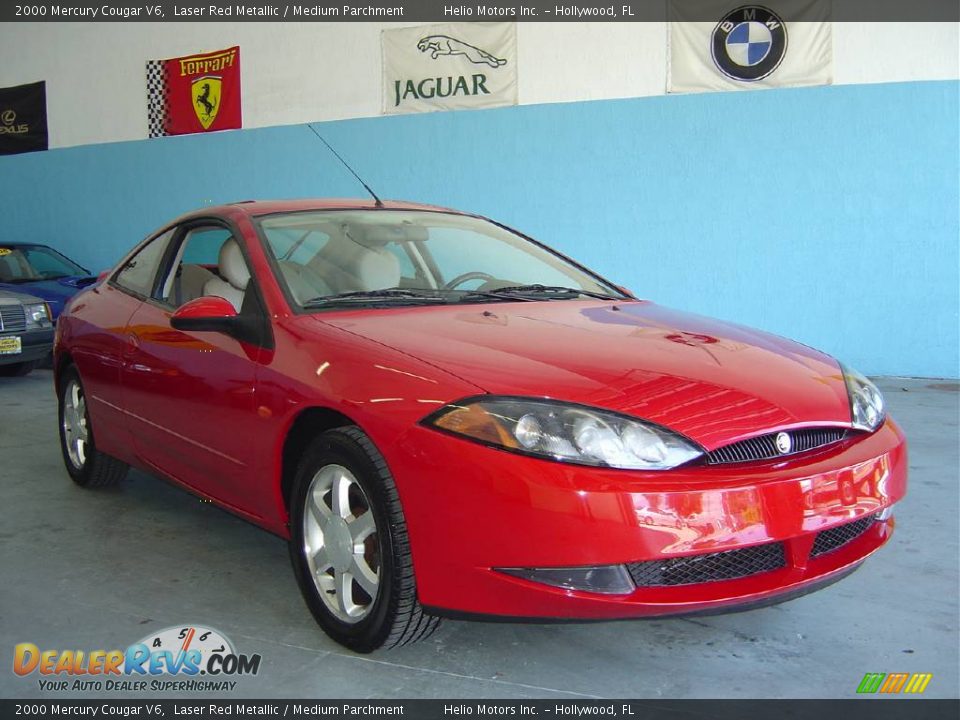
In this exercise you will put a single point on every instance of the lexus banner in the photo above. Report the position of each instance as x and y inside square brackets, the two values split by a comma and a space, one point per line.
[749, 46]
[449, 67]
[23, 118]
[194, 94]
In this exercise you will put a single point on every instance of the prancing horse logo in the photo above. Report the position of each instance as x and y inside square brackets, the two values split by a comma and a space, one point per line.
[438, 45]
[206, 99]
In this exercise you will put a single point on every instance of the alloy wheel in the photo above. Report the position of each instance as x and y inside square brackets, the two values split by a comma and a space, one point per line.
[75, 429]
[340, 543]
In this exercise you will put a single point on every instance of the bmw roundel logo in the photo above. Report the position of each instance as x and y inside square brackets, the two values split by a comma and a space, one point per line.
[784, 443]
[749, 43]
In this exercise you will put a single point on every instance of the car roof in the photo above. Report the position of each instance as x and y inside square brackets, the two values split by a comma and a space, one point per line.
[254, 208]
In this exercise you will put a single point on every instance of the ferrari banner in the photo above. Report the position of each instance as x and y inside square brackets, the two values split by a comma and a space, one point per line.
[449, 67]
[749, 46]
[23, 118]
[193, 94]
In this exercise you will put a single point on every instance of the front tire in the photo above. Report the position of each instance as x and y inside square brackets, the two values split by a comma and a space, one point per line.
[87, 466]
[349, 545]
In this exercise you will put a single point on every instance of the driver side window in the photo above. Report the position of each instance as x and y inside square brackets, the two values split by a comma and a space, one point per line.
[137, 274]
[195, 265]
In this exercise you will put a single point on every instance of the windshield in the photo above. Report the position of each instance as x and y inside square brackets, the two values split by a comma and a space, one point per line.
[30, 263]
[393, 256]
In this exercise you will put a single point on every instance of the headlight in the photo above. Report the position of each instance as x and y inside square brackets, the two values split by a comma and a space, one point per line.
[565, 432]
[866, 402]
[38, 315]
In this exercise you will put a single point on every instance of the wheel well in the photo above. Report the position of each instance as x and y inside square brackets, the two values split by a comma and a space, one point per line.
[308, 424]
[62, 363]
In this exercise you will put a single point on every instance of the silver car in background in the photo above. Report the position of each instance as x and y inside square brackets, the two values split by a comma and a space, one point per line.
[26, 333]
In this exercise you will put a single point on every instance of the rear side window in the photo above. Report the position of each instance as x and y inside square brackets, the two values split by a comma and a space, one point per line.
[137, 274]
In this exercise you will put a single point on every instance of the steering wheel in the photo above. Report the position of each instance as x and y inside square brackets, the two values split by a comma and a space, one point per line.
[464, 277]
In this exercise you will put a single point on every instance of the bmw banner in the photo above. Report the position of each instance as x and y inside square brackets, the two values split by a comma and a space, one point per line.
[449, 67]
[23, 118]
[749, 45]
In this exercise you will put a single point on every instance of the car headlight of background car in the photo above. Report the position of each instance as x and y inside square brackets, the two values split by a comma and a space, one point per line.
[565, 432]
[866, 403]
[37, 315]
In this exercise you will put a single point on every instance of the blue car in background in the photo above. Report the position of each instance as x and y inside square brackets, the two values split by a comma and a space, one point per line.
[42, 271]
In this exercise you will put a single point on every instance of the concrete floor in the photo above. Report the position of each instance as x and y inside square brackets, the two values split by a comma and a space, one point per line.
[90, 570]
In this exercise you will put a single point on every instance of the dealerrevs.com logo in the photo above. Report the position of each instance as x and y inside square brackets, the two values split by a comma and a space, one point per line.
[180, 658]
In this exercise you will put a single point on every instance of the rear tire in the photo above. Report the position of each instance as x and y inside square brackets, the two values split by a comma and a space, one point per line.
[18, 369]
[87, 466]
[349, 545]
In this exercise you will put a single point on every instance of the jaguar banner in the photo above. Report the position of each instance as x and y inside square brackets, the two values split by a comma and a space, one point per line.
[194, 94]
[23, 118]
[449, 67]
[748, 46]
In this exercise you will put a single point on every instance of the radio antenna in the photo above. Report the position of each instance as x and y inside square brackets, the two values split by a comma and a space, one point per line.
[377, 202]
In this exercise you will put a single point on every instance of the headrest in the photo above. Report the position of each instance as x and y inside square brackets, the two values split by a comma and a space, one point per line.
[233, 268]
[377, 270]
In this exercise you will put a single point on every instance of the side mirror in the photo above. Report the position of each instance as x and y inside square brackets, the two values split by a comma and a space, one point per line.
[215, 314]
[207, 314]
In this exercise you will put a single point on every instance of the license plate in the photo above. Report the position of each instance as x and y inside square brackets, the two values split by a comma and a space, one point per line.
[10, 346]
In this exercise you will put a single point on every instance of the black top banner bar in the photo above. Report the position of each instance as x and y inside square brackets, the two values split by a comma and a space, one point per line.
[427, 11]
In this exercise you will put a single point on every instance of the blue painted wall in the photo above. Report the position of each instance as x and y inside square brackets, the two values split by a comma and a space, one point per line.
[829, 215]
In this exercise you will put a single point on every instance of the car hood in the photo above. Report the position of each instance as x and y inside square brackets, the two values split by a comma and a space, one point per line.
[715, 382]
[11, 297]
[55, 292]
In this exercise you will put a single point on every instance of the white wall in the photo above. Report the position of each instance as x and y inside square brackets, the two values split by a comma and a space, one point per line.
[299, 72]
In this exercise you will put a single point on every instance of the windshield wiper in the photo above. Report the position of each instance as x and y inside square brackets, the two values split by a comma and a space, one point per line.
[520, 293]
[525, 291]
[389, 295]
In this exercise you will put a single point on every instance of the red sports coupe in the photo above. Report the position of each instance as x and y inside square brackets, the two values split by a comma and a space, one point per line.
[446, 417]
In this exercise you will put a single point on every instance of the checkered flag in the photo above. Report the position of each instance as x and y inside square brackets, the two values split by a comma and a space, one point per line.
[158, 96]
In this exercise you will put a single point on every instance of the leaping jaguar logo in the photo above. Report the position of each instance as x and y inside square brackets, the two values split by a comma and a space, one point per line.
[438, 45]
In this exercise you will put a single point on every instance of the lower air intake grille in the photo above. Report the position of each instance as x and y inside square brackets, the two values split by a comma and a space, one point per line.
[764, 447]
[835, 538]
[12, 318]
[693, 569]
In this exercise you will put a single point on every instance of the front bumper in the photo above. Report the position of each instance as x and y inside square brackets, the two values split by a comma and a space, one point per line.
[471, 509]
[34, 344]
